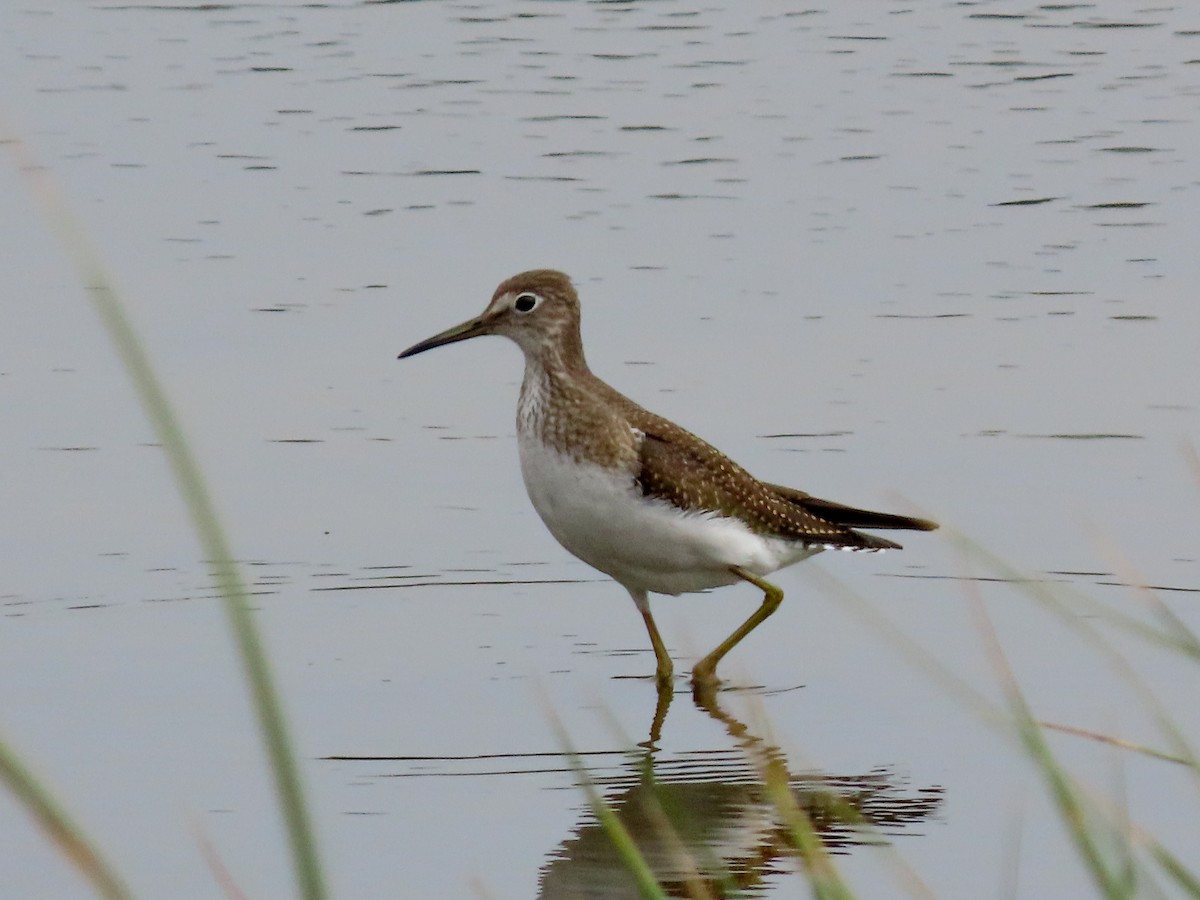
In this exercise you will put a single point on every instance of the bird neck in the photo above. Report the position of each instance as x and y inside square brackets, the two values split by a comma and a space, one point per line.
[563, 406]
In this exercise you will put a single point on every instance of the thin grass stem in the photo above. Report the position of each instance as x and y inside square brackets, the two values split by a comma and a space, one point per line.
[58, 825]
[626, 848]
[205, 521]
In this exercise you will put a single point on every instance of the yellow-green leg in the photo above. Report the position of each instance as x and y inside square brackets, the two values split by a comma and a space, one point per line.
[664, 670]
[704, 674]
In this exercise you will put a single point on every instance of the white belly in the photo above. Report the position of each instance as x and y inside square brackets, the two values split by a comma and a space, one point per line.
[601, 517]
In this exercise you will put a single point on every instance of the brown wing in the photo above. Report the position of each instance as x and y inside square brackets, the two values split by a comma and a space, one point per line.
[676, 466]
[689, 473]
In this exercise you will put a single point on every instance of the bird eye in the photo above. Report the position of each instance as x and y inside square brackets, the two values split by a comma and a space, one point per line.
[526, 302]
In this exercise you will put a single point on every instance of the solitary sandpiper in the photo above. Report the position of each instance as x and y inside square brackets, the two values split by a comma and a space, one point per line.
[638, 497]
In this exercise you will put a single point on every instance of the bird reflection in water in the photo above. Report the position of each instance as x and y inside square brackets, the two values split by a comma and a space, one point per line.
[710, 823]
[726, 823]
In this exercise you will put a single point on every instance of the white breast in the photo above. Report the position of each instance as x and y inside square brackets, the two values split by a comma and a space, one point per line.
[600, 516]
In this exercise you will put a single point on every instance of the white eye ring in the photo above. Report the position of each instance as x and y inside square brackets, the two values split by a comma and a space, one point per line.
[526, 302]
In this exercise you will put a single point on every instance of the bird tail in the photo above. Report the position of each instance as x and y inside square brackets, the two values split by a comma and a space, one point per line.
[853, 517]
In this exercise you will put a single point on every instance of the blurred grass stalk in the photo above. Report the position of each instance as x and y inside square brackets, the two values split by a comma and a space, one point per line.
[1114, 851]
[626, 848]
[824, 879]
[819, 862]
[212, 538]
[1107, 842]
[61, 830]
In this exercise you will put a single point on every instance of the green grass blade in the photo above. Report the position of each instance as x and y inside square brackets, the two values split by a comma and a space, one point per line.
[622, 841]
[824, 879]
[203, 515]
[1179, 873]
[627, 850]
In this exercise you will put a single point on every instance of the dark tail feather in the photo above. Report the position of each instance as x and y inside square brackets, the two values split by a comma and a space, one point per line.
[849, 516]
[874, 542]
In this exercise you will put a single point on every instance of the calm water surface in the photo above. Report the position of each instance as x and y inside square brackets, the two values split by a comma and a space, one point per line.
[936, 257]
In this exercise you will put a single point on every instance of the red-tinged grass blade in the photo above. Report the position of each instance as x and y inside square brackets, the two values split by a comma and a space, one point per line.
[1115, 742]
[1192, 457]
[61, 830]
[203, 514]
[220, 872]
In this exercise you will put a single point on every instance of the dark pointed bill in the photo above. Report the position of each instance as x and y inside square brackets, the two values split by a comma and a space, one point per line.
[469, 329]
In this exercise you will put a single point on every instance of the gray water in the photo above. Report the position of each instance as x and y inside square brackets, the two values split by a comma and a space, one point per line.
[936, 258]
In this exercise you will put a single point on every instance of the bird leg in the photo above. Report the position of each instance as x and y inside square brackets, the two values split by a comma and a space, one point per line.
[664, 671]
[704, 674]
